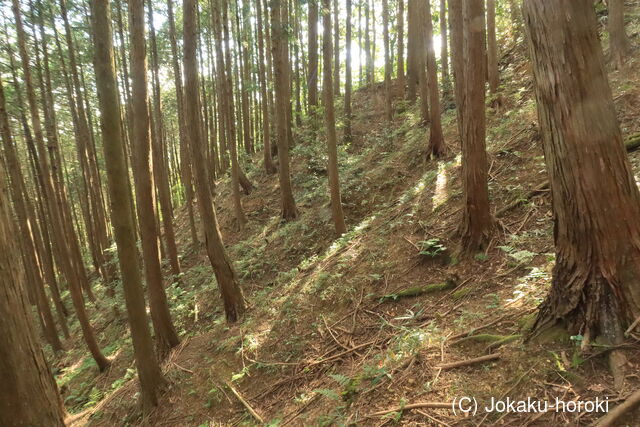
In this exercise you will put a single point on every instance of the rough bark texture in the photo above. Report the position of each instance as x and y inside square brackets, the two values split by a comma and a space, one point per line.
[414, 48]
[336, 50]
[28, 395]
[596, 204]
[330, 124]
[149, 374]
[280, 64]
[166, 336]
[232, 297]
[619, 41]
[436, 146]
[476, 218]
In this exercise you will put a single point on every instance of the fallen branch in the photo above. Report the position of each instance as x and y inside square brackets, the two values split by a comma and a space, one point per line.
[339, 355]
[612, 417]
[469, 361]
[432, 405]
[421, 290]
[245, 403]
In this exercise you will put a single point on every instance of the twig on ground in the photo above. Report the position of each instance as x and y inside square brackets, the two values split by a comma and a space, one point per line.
[434, 419]
[444, 405]
[468, 362]
[252, 411]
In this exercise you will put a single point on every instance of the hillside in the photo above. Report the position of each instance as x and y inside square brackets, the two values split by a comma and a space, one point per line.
[352, 330]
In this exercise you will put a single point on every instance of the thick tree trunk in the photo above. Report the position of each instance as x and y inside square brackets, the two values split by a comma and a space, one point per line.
[619, 41]
[312, 73]
[596, 280]
[492, 48]
[229, 288]
[166, 336]
[330, 123]
[279, 40]
[476, 218]
[149, 374]
[415, 48]
[28, 395]
[436, 146]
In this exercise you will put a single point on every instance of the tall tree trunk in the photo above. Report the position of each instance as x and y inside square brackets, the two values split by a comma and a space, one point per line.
[336, 50]
[444, 46]
[457, 57]
[71, 266]
[226, 78]
[330, 123]
[25, 223]
[149, 374]
[185, 157]
[160, 166]
[401, 73]
[312, 73]
[367, 43]
[415, 47]
[387, 62]
[264, 96]
[596, 279]
[229, 288]
[279, 41]
[166, 336]
[347, 81]
[28, 395]
[436, 146]
[492, 48]
[619, 41]
[476, 218]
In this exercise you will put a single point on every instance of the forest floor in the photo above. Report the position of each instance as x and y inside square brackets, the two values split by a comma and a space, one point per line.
[331, 336]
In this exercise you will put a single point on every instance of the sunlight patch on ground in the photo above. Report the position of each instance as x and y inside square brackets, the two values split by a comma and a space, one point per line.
[440, 194]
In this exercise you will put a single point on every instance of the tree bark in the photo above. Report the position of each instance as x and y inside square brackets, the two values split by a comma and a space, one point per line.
[444, 46]
[492, 48]
[312, 73]
[436, 146]
[596, 279]
[336, 50]
[401, 73]
[185, 157]
[330, 123]
[149, 374]
[619, 41]
[388, 113]
[457, 57]
[280, 63]
[28, 395]
[166, 336]
[229, 288]
[476, 218]
[264, 96]
[347, 81]
[71, 266]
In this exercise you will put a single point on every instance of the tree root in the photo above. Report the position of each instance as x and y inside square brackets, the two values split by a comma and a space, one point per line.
[612, 417]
